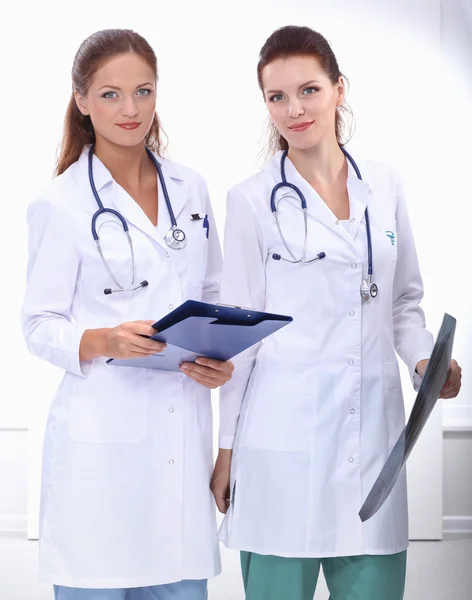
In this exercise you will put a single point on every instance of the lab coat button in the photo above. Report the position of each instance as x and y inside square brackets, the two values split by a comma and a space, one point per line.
[167, 254]
[354, 265]
[352, 220]
[352, 313]
[337, 222]
[171, 462]
[351, 460]
[171, 306]
[171, 409]
[351, 362]
[352, 411]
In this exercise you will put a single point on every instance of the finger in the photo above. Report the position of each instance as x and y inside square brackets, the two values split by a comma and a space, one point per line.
[221, 504]
[217, 365]
[450, 381]
[205, 381]
[208, 381]
[145, 321]
[148, 344]
[449, 396]
[451, 391]
[221, 499]
[136, 350]
[200, 370]
[133, 353]
[136, 345]
[209, 378]
[142, 328]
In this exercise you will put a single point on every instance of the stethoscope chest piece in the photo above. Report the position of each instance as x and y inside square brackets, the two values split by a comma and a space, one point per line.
[369, 290]
[176, 239]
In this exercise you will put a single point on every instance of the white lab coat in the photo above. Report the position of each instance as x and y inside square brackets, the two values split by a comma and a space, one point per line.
[128, 451]
[314, 411]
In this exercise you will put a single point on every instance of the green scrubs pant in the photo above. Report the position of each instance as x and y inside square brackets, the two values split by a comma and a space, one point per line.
[380, 577]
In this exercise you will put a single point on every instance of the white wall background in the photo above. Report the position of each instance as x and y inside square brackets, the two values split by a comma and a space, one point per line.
[410, 67]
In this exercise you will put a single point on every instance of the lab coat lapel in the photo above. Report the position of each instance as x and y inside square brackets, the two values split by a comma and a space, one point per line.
[134, 214]
[317, 208]
[359, 194]
[177, 196]
[131, 211]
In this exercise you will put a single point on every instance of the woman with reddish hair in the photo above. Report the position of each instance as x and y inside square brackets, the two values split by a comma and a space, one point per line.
[310, 415]
[119, 238]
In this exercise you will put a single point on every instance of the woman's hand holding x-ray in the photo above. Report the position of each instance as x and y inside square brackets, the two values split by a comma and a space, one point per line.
[454, 379]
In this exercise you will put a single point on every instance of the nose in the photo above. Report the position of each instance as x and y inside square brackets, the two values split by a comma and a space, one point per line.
[129, 108]
[295, 108]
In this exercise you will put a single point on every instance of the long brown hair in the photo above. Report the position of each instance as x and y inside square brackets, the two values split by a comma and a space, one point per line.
[302, 41]
[92, 54]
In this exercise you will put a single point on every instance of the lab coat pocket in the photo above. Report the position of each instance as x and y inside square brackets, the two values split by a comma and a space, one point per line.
[109, 407]
[281, 409]
[393, 401]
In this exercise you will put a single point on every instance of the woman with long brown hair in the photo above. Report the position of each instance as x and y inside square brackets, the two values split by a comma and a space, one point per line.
[117, 240]
[310, 416]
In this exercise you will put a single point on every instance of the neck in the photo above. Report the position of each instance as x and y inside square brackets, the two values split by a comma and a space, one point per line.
[322, 164]
[127, 165]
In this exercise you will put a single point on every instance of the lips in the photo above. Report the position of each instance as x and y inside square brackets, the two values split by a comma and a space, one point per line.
[297, 127]
[129, 126]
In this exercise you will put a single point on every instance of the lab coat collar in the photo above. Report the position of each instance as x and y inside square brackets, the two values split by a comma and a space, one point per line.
[129, 208]
[358, 190]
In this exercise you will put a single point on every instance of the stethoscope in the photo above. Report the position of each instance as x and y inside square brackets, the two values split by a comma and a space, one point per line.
[175, 238]
[369, 290]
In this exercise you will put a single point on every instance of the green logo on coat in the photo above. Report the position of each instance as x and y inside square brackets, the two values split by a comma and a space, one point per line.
[391, 235]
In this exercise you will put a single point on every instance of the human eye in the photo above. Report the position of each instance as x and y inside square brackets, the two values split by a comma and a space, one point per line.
[109, 95]
[144, 92]
[276, 97]
[308, 91]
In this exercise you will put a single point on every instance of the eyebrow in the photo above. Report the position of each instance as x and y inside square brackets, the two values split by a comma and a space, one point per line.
[113, 87]
[299, 87]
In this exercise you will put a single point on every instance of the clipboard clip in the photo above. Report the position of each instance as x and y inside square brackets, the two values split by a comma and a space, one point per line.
[234, 306]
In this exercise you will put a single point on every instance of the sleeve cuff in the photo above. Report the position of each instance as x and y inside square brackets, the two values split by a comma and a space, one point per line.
[226, 442]
[82, 368]
[415, 377]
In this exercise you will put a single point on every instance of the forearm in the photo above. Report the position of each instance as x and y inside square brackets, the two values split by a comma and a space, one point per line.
[224, 455]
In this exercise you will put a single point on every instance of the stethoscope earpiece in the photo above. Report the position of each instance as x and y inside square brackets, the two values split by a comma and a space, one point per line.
[143, 284]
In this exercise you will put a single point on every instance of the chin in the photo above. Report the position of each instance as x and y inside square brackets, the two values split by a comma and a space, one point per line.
[303, 142]
[130, 141]
[126, 140]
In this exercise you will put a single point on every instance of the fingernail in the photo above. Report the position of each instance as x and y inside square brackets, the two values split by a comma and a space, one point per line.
[183, 367]
[199, 361]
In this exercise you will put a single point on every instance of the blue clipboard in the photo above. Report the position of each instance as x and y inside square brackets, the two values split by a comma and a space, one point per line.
[216, 331]
[430, 389]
